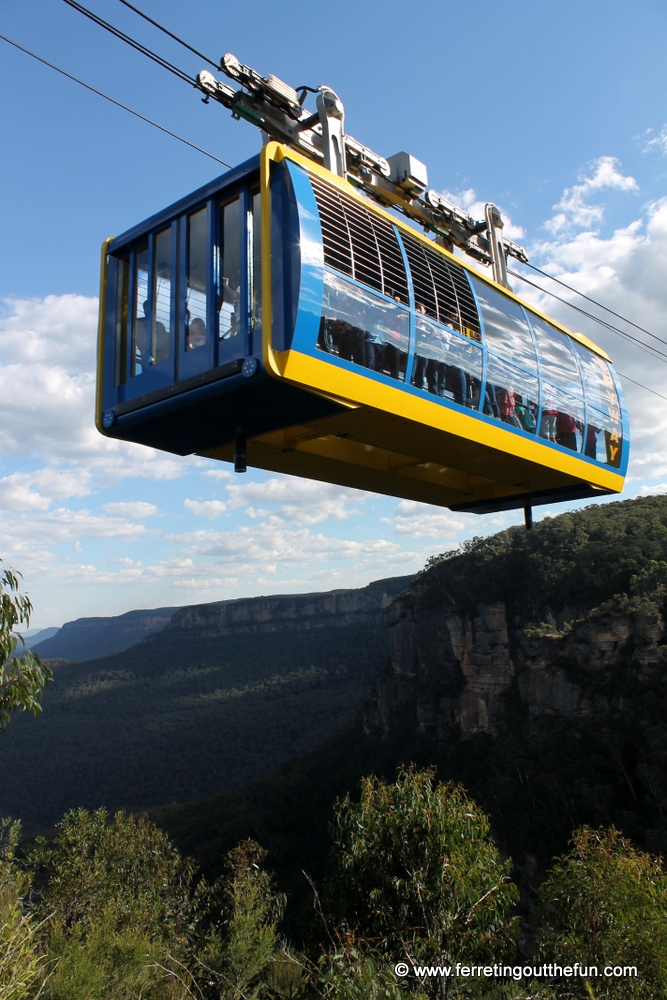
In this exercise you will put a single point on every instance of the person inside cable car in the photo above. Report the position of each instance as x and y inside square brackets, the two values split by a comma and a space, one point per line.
[147, 352]
[196, 334]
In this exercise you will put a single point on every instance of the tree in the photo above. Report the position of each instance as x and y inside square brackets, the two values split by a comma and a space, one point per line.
[22, 955]
[22, 678]
[416, 878]
[241, 942]
[605, 904]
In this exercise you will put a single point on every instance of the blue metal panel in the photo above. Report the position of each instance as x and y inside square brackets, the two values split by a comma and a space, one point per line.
[311, 284]
[109, 393]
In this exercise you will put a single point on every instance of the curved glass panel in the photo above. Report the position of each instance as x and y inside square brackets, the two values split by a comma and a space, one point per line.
[558, 364]
[505, 327]
[446, 364]
[600, 389]
[161, 340]
[604, 438]
[360, 327]
[511, 395]
[562, 420]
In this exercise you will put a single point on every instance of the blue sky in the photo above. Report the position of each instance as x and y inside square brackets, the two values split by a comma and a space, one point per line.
[553, 110]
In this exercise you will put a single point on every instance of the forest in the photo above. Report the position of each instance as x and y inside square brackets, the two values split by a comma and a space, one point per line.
[524, 862]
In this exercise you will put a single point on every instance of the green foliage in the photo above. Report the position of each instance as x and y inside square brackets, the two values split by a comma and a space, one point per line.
[578, 559]
[415, 875]
[605, 903]
[241, 943]
[97, 867]
[22, 956]
[22, 678]
[108, 963]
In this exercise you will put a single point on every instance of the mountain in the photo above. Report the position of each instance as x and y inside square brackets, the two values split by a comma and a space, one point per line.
[225, 692]
[88, 638]
[530, 666]
[36, 635]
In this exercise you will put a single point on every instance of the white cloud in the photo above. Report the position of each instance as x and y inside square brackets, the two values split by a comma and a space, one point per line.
[469, 201]
[656, 144]
[653, 491]
[574, 208]
[206, 508]
[420, 520]
[136, 510]
[295, 501]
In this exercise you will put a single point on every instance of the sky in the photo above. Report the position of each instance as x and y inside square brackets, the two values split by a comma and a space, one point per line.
[555, 111]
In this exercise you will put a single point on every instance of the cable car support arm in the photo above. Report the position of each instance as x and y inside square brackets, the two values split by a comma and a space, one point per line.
[399, 181]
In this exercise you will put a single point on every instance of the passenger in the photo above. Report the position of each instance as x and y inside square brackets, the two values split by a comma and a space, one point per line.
[566, 431]
[196, 334]
[549, 416]
[507, 407]
[143, 339]
[419, 367]
[525, 413]
[394, 357]
[591, 449]
[230, 297]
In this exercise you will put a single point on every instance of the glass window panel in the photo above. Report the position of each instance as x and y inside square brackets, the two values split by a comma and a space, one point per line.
[256, 284]
[600, 389]
[195, 296]
[505, 327]
[511, 395]
[141, 352]
[604, 438]
[229, 298]
[360, 327]
[161, 341]
[446, 364]
[122, 311]
[562, 419]
[558, 364]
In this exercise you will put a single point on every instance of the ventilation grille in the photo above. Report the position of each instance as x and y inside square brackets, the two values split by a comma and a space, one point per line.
[441, 287]
[359, 243]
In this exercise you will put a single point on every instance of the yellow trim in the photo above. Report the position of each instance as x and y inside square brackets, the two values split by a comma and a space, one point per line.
[304, 370]
[276, 151]
[100, 334]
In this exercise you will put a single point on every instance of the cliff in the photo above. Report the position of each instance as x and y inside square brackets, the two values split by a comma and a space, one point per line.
[457, 671]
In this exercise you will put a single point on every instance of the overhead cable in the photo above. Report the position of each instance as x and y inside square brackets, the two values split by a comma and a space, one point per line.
[642, 386]
[593, 301]
[130, 41]
[117, 103]
[180, 41]
[653, 351]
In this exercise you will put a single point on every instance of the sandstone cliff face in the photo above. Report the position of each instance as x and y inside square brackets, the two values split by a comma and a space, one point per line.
[456, 670]
[338, 608]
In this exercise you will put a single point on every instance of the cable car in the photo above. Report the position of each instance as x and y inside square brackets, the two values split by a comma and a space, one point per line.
[280, 317]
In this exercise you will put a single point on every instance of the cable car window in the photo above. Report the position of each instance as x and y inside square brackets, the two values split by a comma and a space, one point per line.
[141, 348]
[256, 276]
[562, 417]
[446, 364]
[360, 327]
[505, 327]
[120, 340]
[557, 361]
[442, 288]
[195, 300]
[604, 438]
[160, 348]
[600, 389]
[229, 318]
[511, 395]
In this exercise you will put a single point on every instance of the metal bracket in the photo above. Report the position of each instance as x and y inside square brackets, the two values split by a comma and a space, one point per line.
[332, 119]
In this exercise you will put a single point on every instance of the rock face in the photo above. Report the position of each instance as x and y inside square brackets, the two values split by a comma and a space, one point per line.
[290, 612]
[456, 670]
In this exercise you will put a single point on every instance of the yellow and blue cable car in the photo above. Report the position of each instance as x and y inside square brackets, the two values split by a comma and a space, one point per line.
[279, 316]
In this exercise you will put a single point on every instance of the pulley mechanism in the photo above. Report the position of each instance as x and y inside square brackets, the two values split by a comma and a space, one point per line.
[399, 181]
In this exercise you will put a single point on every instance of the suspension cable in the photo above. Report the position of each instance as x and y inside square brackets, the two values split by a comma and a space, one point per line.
[653, 351]
[130, 41]
[593, 301]
[113, 101]
[180, 41]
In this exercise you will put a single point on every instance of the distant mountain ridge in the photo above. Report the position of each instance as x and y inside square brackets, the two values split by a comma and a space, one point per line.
[223, 693]
[90, 638]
